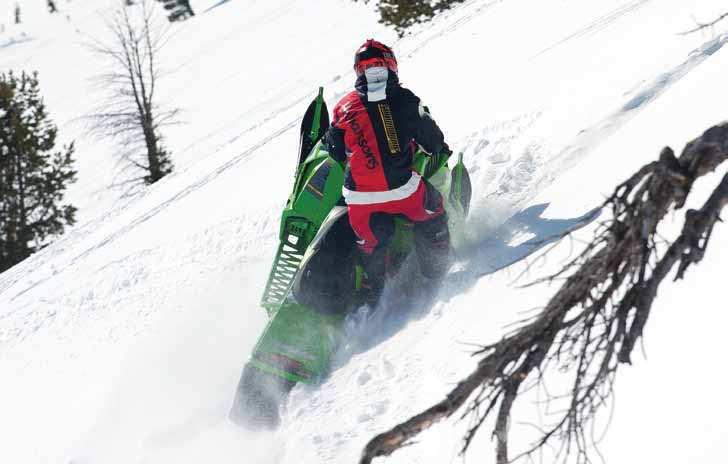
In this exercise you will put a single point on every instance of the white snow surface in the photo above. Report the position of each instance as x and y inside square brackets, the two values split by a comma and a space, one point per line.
[123, 340]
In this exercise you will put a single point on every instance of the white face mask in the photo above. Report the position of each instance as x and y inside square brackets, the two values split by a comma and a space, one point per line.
[376, 83]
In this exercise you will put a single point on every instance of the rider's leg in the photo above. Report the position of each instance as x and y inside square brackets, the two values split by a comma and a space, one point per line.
[374, 229]
[432, 236]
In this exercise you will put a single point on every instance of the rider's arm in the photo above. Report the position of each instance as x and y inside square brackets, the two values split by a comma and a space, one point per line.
[334, 143]
[427, 133]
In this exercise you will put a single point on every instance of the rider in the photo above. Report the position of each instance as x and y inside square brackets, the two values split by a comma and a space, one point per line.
[375, 130]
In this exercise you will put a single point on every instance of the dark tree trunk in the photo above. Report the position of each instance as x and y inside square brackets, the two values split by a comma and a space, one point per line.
[22, 213]
[153, 155]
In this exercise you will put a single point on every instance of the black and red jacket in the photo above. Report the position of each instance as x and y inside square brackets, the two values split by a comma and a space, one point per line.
[375, 129]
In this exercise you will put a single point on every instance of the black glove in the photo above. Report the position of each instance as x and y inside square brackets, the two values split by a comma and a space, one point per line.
[437, 160]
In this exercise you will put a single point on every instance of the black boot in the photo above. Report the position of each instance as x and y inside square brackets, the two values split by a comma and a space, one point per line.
[374, 265]
[432, 244]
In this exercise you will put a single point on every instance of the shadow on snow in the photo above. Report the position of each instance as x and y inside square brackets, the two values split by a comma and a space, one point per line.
[405, 300]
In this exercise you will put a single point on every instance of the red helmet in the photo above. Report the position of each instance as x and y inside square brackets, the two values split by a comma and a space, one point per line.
[372, 54]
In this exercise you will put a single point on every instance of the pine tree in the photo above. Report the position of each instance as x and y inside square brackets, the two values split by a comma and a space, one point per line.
[52, 6]
[33, 175]
[179, 10]
[403, 14]
[17, 13]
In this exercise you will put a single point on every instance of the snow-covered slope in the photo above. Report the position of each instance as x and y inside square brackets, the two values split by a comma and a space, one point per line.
[123, 341]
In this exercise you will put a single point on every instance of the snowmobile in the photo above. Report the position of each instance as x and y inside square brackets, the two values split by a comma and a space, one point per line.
[316, 278]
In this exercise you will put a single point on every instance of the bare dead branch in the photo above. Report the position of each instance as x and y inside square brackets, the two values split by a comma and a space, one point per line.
[700, 26]
[593, 322]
